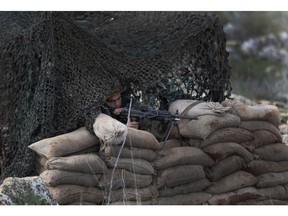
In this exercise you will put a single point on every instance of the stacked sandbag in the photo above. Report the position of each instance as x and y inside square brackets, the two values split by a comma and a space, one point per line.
[130, 175]
[270, 164]
[220, 154]
[180, 176]
[70, 167]
[217, 133]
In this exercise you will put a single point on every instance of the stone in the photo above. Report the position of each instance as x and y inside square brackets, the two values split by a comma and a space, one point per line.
[25, 191]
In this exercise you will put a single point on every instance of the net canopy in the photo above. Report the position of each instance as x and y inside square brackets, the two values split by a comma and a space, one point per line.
[57, 68]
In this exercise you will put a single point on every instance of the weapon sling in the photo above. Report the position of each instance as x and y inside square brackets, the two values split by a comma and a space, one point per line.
[174, 123]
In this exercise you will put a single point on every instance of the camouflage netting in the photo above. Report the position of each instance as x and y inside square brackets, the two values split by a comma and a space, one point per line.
[57, 71]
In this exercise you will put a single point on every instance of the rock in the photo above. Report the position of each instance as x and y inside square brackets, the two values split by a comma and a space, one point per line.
[5, 200]
[285, 139]
[25, 191]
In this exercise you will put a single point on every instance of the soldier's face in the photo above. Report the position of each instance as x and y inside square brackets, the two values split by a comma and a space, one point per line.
[114, 100]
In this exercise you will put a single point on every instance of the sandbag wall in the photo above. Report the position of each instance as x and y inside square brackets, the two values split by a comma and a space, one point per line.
[246, 145]
[76, 173]
[231, 153]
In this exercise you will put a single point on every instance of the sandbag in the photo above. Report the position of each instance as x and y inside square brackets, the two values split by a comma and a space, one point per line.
[272, 179]
[273, 152]
[261, 125]
[137, 153]
[194, 142]
[141, 139]
[39, 168]
[206, 124]
[91, 149]
[237, 135]
[196, 186]
[123, 202]
[138, 166]
[234, 181]
[263, 202]
[109, 130]
[262, 137]
[224, 167]
[58, 177]
[68, 194]
[258, 167]
[41, 160]
[82, 203]
[124, 179]
[86, 163]
[198, 108]
[246, 112]
[131, 194]
[219, 151]
[181, 156]
[197, 198]
[276, 192]
[233, 197]
[179, 175]
[170, 143]
[65, 144]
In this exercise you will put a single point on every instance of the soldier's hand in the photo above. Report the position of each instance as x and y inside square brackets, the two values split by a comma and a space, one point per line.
[117, 111]
[133, 124]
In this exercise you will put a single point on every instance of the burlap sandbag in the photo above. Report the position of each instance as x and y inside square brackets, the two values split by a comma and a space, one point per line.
[64, 144]
[68, 194]
[181, 156]
[137, 153]
[200, 108]
[263, 202]
[197, 198]
[82, 203]
[170, 143]
[39, 168]
[192, 187]
[277, 192]
[109, 130]
[194, 142]
[272, 179]
[179, 175]
[124, 179]
[133, 165]
[131, 194]
[258, 167]
[206, 124]
[261, 125]
[86, 163]
[234, 181]
[219, 151]
[58, 177]
[273, 152]
[262, 137]
[141, 139]
[234, 197]
[147, 202]
[246, 112]
[237, 135]
[92, 149]
[224, 167]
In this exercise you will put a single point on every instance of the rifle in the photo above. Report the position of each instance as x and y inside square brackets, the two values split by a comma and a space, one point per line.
[159, 115]
[149, 113]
